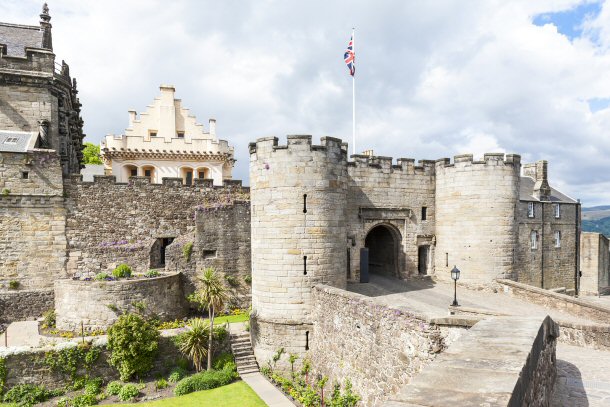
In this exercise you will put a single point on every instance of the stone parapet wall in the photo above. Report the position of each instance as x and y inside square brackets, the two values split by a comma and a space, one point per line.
[379, 348]
[578, 307]
[480, 369]
[98, 304]
[20, 305]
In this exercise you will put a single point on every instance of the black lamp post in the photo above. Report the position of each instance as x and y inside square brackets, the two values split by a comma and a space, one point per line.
[455, 275]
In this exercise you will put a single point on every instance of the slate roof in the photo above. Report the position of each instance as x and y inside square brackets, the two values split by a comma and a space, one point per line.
[18, 37]
[17, 141]
[526, 192]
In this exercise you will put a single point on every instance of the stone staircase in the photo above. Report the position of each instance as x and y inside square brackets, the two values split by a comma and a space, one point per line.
[244, 355]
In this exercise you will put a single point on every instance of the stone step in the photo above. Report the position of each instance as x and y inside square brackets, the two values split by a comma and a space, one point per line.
[248, 359]
[241, 348]
[243, 372]
[239, 355]
[247, 367]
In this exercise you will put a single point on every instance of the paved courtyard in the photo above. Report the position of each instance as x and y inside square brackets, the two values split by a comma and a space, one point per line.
[583, 377]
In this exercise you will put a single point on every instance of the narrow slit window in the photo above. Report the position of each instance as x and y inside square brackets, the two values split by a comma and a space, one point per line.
[557, 238]
[304, 265]
[304, 203]
[424, 213]
[530, 210]
[446, 259]
[306, 340]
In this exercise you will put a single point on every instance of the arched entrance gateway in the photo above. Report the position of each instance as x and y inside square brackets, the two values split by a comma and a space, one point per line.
[383, 243]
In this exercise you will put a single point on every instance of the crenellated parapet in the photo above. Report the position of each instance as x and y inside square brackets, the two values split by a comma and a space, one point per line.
[332, 148]
[489, 159]
[405, 166]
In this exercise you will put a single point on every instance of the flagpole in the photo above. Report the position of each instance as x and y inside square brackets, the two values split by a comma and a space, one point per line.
[354, 94]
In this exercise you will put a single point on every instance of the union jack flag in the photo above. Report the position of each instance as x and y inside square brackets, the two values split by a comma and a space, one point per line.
[350, 57]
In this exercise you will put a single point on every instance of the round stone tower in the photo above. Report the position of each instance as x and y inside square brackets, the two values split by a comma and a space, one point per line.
[298, 198]
[476, 204]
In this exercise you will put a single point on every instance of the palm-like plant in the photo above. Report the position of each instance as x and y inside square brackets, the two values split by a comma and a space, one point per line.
[194, 343]
[213, 295]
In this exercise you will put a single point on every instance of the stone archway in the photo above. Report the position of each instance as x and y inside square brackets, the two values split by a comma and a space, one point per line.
[383, 243]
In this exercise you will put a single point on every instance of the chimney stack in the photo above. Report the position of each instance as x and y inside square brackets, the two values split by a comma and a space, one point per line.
[132, 117]
[213, 127]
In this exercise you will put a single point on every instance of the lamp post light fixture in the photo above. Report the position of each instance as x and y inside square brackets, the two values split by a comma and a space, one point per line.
[455, 275]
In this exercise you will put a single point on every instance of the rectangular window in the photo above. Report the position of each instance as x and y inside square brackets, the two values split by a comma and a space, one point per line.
[11, 140]
[152, 133]
[147, 173]
[189, 178]
[25, 175]
[534, 239]
[446, 259]
[557, 211]
[424, 213]
[530, 210]
[134, 172]
[180, 134]
[557, 238]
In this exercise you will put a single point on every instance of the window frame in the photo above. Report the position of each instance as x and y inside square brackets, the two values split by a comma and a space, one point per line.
[534, 240]
[531, 210]
[557, 211]
[557, 237]
[424, 213]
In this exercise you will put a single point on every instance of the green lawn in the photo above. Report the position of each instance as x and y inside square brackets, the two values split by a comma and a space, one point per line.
[237, 394]
[231, 318]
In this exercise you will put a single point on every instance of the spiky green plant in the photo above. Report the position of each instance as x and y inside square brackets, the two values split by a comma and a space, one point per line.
[194, 342]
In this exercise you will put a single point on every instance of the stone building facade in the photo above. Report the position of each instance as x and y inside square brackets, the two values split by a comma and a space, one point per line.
[319, 218]
[595, 264]
[166, 141]
[37, 94]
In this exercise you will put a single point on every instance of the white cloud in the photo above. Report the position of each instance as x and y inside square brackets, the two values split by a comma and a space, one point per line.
[434, 79]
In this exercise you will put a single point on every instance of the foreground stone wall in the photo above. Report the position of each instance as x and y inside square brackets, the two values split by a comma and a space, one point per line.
[110, 223]
[98, 304]
[481, 370]
[32, 220]
[379, 348]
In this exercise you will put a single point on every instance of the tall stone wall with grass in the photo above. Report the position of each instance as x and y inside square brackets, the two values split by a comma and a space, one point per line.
[110, 223]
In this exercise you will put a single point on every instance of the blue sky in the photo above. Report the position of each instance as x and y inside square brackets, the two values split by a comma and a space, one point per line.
[434, 79]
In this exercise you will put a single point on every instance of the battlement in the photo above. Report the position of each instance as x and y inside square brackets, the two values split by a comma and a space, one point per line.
[495, 159]
[265, 147]
[403, 165]
[168, 183]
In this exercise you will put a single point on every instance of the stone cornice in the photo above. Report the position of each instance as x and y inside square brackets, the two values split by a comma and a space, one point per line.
[129, 154]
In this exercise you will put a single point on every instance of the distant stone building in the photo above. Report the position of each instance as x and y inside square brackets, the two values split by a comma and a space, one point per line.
[37, 95]
[167, 142]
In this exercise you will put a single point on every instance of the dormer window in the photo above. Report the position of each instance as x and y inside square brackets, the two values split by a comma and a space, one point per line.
[180, 134]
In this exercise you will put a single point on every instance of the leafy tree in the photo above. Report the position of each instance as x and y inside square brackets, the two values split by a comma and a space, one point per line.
[213, 295]
[91, 154]
[133, 343]
[194, 342]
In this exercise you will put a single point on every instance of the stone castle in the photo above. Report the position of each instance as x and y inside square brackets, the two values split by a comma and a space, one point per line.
[312, 221]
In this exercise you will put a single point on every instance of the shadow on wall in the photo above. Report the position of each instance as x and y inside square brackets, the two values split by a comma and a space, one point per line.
[569, 387]
[381, 285]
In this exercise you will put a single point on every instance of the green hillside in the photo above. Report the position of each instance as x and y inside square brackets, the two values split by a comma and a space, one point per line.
[597, 225]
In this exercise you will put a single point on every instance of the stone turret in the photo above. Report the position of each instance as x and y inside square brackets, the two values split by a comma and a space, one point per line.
[476, 227]
[298, 198]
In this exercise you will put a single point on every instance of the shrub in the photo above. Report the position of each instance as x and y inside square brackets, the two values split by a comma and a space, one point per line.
[129, 392]
[133, 343]
[28, 394]
[193, 343]
[70, 360]
[221, 360]
[49, 319]
[248, 279]
[152, 273]
[187, 250]
[177, 374]
[84, 400]
[93, 386]
[114, 388]
[122, 271]
[232, 281]
[79, 383]
[210, 379]
[101, 276]
[6, 191]
[161, 384]
[13, 284]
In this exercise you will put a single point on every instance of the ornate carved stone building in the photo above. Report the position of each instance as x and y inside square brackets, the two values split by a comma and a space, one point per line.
[167, 142]
[37, 94]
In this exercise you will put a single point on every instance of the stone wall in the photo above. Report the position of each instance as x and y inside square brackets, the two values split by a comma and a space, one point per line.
[475, 216]
[379, 348]
[98, 304]
[110, 223]
[392, 195]
[20, 305]
[579, 307]
[480, 370]
[594, 263]
[547, 266]
[26, 365]
[32, 220]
